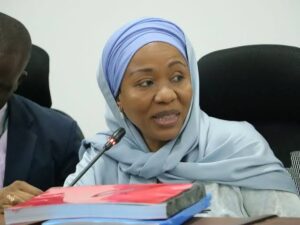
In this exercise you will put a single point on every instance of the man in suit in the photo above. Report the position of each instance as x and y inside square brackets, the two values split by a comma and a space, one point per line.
[38, 146]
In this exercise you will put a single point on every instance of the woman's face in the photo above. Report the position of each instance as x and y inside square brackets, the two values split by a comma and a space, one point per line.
[156, 92]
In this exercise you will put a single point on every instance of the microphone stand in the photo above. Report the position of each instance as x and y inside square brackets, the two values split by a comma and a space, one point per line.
[114, 139]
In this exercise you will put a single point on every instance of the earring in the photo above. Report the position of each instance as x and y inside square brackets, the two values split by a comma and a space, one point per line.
[121, 112]
[122, 115]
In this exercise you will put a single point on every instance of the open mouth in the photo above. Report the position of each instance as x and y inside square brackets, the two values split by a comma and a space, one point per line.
[166, 118]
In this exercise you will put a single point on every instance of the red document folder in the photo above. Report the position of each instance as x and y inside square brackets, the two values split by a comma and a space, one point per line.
[130, 201]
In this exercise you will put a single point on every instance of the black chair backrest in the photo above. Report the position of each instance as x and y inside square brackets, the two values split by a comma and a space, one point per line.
[259, 84]
[36, 85]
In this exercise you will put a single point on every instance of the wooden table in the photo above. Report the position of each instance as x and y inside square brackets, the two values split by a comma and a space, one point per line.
[243, 221]
[1, 219]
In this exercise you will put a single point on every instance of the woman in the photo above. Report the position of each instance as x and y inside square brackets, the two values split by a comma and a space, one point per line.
[149, 78]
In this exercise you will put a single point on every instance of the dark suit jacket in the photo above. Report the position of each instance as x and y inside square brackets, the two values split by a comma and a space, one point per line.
[42, 144]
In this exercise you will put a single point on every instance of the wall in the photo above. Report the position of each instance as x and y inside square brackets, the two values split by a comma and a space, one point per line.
[74, 32]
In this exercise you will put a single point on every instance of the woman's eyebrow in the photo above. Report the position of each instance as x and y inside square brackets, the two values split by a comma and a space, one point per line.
[177, 62]
[143, 70]
[149, 70]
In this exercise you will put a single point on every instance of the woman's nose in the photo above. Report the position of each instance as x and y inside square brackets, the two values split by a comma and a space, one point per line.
[165, 94]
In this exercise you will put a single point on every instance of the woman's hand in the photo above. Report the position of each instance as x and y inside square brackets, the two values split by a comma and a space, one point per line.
[17, 192]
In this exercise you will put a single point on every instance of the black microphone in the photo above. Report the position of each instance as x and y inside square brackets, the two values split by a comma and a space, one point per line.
[113, 139]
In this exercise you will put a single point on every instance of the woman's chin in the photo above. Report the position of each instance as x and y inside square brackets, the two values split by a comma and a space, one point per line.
[166, 135]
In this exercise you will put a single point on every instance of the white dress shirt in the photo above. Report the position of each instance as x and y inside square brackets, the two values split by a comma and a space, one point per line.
[3, 141]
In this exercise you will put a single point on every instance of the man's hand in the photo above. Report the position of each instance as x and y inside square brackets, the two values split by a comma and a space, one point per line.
[17, 192]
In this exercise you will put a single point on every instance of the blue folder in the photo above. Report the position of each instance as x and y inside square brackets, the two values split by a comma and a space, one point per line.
[177, 219]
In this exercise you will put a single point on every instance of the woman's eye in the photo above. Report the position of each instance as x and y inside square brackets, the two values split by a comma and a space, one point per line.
[145, 83]
[177, 78]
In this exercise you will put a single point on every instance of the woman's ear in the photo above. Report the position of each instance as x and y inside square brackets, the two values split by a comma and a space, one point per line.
[119, 103]
[120, 107]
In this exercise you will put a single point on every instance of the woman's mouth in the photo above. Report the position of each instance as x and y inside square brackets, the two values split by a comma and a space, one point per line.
[166, 118]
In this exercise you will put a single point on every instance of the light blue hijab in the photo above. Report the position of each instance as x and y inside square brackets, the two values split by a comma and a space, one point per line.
[207, 149]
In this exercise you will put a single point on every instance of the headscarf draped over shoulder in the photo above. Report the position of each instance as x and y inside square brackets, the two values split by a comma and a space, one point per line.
[206, 149]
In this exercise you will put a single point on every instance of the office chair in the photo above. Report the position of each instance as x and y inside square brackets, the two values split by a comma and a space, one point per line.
[36, 85]
[259, 84]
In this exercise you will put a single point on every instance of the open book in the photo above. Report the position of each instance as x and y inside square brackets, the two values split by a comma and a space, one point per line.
[126, 201]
